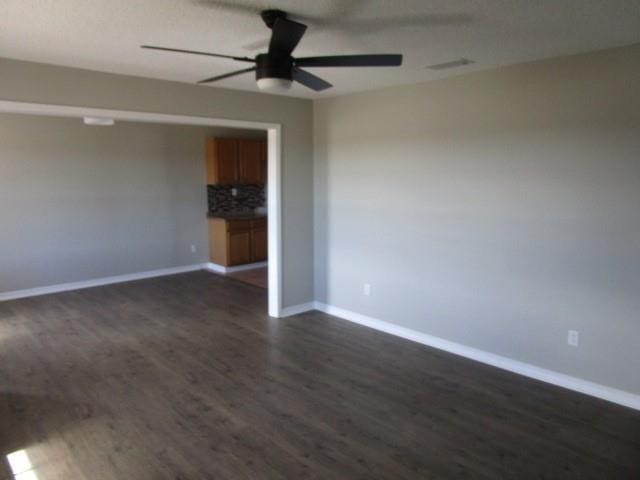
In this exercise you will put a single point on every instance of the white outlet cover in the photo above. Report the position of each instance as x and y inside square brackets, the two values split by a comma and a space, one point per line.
[366, 289]
[193, 249]
[573, 338]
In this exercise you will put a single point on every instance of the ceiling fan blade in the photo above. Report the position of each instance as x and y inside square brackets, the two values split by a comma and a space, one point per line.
[227, 75]
[286, 34]
[310, 80]
[179, 50]
[386, 60]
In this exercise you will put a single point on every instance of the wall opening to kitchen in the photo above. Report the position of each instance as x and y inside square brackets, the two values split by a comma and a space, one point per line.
[259, 201]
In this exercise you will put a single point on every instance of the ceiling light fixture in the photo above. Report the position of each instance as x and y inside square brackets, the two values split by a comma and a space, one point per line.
[273, 84]
[99, 121]
[276, 69]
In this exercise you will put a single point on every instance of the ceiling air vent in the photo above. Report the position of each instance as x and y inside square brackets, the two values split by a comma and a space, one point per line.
[453, 64]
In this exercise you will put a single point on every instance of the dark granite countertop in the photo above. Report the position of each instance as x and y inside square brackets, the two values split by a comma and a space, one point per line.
[237, 216]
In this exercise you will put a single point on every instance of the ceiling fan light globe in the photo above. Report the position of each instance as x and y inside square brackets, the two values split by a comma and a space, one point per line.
[273, 84]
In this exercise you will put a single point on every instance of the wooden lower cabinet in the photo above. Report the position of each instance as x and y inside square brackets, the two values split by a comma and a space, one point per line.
[237, 241]
[239, 248]
[259, 244]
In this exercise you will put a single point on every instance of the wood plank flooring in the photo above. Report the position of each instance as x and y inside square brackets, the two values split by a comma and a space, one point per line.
[257, 276]
[185, 377]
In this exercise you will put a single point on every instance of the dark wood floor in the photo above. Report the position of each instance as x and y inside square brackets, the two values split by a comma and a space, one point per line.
[256, 276]
[185, 377]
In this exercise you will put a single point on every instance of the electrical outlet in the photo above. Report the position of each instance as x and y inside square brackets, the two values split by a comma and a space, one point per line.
[366, 289]
[193, 249]
[573, 338]
[234, 192]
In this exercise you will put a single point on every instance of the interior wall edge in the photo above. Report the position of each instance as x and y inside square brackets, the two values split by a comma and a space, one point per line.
[74, 87]
[298, 309]
[580, 385]
[98, 282]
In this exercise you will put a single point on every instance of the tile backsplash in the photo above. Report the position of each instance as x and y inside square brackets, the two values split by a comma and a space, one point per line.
[248, 198]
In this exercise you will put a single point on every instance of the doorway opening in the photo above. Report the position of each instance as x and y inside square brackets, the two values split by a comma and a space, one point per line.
[273, 174]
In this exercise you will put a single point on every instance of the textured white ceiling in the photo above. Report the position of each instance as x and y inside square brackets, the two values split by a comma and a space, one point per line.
[104, 35]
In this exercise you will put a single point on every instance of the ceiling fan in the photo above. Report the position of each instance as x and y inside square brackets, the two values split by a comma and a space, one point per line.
[277, 69]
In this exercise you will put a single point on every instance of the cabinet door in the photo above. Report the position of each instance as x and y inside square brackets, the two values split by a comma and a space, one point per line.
[264, 161]
[218, 241]
[259, 245]
[239, 245]
[250, 159]
[222, 161]
[227, 160]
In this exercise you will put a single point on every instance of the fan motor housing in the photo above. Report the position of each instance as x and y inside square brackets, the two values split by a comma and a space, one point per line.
[271, 66]
[269, 17]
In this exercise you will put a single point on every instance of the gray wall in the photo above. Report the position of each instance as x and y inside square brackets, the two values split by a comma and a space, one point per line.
[31, 82]
[497, 209]
[84, 202]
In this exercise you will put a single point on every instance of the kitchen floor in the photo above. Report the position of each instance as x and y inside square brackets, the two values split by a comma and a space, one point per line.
[257, 276]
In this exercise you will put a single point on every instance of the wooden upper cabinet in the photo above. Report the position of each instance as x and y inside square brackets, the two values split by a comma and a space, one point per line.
[227, 160]
[264, 161]
[236, 161]
[250, 158]
[222, 161]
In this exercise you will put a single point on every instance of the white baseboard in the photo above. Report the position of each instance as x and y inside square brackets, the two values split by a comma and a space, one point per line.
[297, 309]
[614, 395]
[214, 267]
[97, 282]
